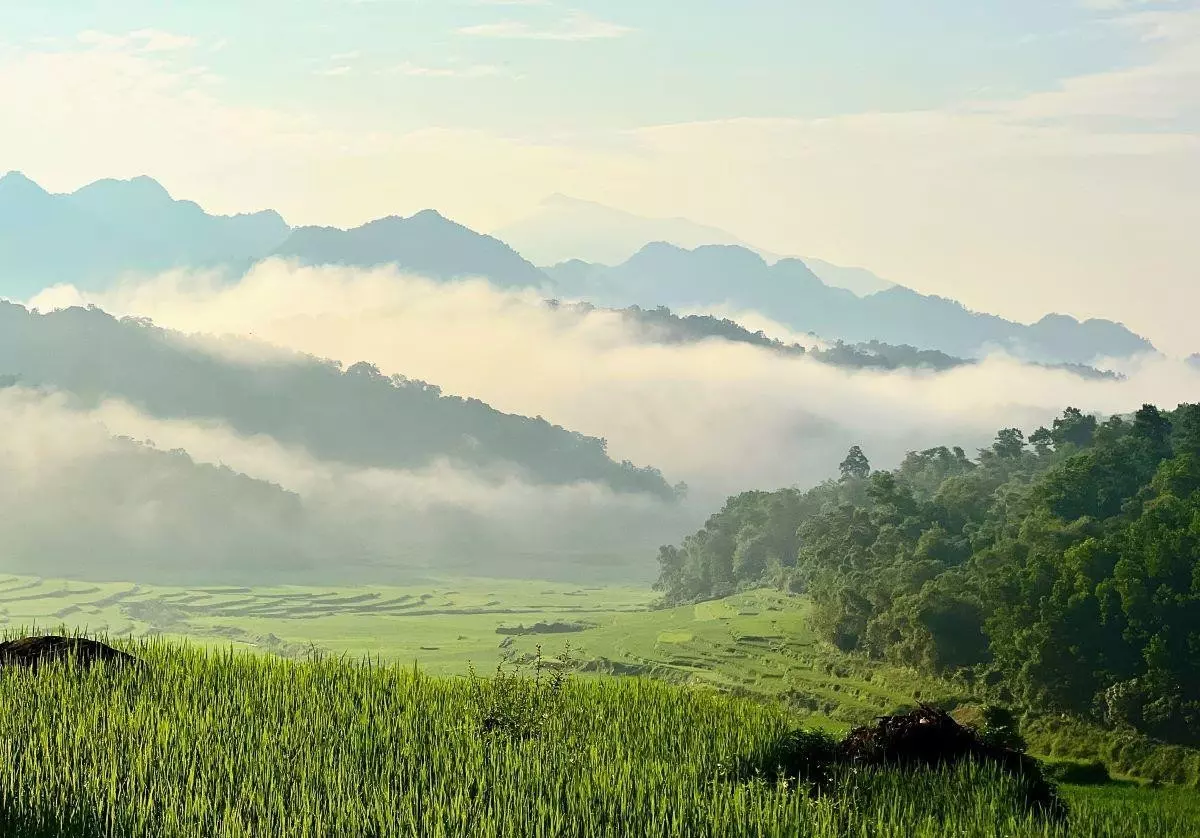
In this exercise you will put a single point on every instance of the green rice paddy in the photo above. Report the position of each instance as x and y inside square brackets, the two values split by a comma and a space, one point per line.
[359, 721]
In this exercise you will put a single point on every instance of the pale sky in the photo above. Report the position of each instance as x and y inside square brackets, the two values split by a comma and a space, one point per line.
[1022, 156]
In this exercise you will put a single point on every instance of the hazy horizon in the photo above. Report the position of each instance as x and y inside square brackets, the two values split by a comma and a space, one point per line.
[1022, 158]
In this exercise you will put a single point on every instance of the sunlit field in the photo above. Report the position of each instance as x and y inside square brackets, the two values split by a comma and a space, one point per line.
[234, 744]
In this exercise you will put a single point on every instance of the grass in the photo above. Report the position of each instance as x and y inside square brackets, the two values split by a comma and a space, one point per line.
[1124, 753]
[235, 744]
[757, 643]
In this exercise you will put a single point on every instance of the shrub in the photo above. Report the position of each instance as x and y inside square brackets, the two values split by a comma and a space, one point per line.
[518, 705]
[1078, 772]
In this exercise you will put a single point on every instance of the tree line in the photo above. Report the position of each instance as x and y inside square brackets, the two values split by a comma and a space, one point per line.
[1059, 570]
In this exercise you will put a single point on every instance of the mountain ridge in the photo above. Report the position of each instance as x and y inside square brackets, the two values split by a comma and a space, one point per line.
[354, 415]
[117, 228]
[661, 274]
[426, 243]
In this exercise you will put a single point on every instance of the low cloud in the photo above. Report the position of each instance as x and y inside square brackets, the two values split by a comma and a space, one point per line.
[112, 493]
[723, 417]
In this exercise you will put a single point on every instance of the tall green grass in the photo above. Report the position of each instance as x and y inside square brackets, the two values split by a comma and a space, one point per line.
[217, 744]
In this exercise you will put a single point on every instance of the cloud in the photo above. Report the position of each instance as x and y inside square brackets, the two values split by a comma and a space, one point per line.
[78, 501]
[470, 71]
[1159, 92]
[723, 417]
[140, 40]
[577, 26]
[113, 493]
[111, 108]
[1120, 5]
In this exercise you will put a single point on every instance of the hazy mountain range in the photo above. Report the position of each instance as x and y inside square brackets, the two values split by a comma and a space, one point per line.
[94, 236]
[563, 228]
[661, 325]
[426, 243]
[790, 292]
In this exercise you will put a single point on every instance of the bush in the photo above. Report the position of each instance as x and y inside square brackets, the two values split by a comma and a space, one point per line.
[1078, 773]
[515, 704]
[804, 755]
[995, 725]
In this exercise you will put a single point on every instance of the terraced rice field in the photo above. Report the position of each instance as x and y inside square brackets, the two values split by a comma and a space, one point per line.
[753, 644]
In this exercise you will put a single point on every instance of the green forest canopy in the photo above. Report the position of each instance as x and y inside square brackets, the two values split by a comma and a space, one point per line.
[1061, 570]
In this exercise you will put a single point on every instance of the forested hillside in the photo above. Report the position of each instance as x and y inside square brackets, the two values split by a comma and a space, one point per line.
[355, 415]
[1060, 571]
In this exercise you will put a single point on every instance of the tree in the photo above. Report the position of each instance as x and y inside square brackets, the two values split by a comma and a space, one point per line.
[1073, 428]
[1072, 577]
[1042, 440]
[1152, 425]
[1009, 444]
[855, 466]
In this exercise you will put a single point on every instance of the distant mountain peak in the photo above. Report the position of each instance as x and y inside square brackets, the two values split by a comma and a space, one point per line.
[430, 214]
[714, 278]
[724, 256]
[115, 227]
[426, 243]
[1057, 318]
[563, 228]
[651, 248]
[142, 190]
[17, 183]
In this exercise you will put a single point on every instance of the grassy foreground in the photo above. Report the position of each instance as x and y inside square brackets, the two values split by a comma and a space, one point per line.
[225, 744]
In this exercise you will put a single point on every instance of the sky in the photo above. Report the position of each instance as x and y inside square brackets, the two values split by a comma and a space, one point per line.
[1022, 156]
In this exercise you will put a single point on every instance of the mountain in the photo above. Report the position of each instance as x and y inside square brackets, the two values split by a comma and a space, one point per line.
[91, 237]
[354, 416]
[788, 291]
[426, 243]
[662, 326]
[564, 228]
[859, 280]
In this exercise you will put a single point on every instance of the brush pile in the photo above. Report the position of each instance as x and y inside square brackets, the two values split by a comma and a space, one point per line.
[930, 738]
[31, 652]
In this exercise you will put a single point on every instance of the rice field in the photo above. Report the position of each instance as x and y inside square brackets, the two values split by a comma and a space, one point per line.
[224, 743]
[756, 643]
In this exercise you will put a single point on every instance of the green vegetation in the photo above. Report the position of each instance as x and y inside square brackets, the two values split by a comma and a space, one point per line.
[223, 744]
[366, 418]
[759, 643]
[1063, 579]
[754, 654]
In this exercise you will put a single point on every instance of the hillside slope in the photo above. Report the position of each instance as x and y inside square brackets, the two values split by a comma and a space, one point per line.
[1063, 576]
[356, 416]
